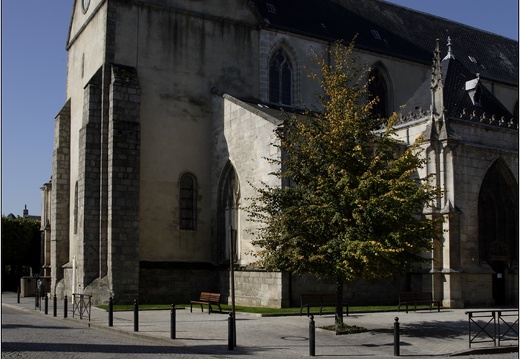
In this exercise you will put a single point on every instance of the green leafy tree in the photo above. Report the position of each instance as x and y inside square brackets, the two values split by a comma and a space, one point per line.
[20, 249]
[353, 209]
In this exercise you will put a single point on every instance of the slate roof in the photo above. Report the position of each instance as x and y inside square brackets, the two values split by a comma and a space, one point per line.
[394, 30]
[457, 101]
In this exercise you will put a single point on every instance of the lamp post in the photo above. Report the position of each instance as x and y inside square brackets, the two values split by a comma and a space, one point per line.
[232, 237]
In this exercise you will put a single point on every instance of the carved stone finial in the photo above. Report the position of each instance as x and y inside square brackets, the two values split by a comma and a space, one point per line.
[437, 104]
[449, 55]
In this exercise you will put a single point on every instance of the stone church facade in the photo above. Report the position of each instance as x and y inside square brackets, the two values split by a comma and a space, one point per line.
[170, 112]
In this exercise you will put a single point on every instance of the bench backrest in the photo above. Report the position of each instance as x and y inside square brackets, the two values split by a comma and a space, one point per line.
[310, 298]
[415, 296]
[424, 296]
[407, 296]
[210, 297]
[328, 298]
[318, 298]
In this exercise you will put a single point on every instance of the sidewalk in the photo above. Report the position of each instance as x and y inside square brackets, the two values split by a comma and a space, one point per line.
[422, 333]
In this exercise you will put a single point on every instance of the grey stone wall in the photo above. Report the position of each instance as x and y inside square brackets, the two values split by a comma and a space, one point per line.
[88, 190]
[372, 292]
[60, 195]
[256, 288]
[124, 158]
[176, 283]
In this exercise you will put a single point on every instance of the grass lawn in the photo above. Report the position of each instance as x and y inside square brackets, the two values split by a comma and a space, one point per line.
[260, 310]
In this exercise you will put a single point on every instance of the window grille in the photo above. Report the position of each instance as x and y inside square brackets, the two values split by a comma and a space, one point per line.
[188, 202]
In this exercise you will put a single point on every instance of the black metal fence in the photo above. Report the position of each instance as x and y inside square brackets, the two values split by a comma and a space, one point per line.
[81, 305]
[492, 326]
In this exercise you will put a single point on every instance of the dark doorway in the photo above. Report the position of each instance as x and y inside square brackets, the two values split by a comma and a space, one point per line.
[499, 282]
[498, 227]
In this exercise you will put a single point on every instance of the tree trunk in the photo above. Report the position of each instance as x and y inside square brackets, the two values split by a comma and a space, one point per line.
[339, 302]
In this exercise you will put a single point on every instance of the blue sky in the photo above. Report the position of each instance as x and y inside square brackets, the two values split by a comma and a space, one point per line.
[34, 67]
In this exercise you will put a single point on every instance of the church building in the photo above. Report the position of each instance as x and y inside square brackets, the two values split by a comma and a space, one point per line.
[170, 112]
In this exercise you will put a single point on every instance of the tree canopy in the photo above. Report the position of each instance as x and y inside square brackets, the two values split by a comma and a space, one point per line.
[20, 248]
[354, 205]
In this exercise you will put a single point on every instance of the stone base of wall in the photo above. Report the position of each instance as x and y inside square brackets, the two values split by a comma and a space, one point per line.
[99, 289]
[477, 290]
[179, 283]
[176, 283]
[255, 288]
[512, 287]
[374, 292]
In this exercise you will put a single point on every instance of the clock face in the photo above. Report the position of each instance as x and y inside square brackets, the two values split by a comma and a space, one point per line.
[86, 3]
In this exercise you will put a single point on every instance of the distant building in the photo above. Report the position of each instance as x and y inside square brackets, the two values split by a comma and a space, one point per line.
[25, 214]
[170, 109]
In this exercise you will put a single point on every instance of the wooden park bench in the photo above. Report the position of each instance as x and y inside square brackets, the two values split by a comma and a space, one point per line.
[318, 300]
[417, 298]
[208, 299]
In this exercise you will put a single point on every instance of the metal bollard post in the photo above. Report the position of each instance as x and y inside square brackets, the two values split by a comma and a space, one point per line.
[46, 304]
[36, 295]
[173, 320]
[396, 337]
[54, 306]
[312, 337]
[111, 312]
[230, 332]
[65, 301]
[136, 316]
[18, 295]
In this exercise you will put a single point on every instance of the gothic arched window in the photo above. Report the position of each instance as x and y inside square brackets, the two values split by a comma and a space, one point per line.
[188, 202]
[280, 78]
[378, 88]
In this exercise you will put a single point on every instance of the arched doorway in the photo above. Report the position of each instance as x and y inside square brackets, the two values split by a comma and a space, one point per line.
[228, 201]
[498, 228]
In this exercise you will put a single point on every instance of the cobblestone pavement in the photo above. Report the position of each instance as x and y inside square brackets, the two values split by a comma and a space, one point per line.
[423, 335]
[26, 336]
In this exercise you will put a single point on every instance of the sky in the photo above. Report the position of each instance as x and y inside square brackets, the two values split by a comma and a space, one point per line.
[33, 78]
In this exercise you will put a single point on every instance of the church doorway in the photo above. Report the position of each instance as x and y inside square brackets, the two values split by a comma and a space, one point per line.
[228, 204]
[499, 282]
[498, 229]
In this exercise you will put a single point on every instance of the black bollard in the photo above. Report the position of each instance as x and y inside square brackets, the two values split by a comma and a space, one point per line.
[136, 316]
[110, 312]
[396, 337]
[231, 334]
[18, 295]
[54, 306]
[46, 304]
[173, 320]
[312, 337]
[65, 301]
[36, 295]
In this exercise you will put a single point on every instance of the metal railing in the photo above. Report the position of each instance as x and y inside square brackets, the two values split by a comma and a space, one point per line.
[81, 305]
[508, 320]
[492, 326]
